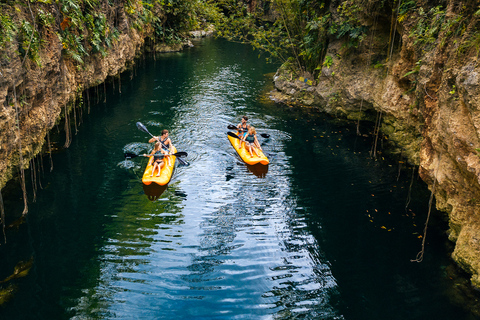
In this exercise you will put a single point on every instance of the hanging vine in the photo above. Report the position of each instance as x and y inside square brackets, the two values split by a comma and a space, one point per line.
[419, 257]
[20, 151]
[2, 217]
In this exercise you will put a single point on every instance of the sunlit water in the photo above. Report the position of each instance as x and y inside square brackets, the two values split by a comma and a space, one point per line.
[325, 232]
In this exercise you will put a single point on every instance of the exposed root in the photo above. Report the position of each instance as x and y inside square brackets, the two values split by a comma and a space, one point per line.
[2, 217]
[419, 257]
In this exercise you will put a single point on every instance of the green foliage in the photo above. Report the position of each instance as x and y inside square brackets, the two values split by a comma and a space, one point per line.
[73, 46]
[328, 61]
[8, 30]
[45, 19]
[349, 24]
[453, 90]
[428, 26]
[299, 29]
[179, 18]
[100, 35]
[30, 42]
[405, 8]
[415, 70]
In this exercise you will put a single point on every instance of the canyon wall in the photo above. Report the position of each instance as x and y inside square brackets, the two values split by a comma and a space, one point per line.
[427, 103]
[35, 96]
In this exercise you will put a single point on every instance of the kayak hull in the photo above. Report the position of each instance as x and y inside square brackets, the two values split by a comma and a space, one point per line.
[245, 155]
[165, 173]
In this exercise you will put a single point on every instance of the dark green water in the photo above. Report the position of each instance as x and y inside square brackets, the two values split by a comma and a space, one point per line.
[326, 233]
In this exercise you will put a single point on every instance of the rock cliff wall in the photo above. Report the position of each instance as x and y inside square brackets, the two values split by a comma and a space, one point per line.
[51, 53]
[427, 102]
[33, 97]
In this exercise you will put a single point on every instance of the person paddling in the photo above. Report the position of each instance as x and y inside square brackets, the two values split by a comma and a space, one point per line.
[165, 141]
[158, 154]
[251, 142]
[242, 128]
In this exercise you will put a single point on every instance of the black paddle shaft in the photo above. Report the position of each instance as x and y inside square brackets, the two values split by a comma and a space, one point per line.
[176, 154]
[141, 127]
[232, 127]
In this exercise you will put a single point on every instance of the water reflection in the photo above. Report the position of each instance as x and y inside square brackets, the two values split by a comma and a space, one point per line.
[258, 169]
[154, 191]
[140, 241]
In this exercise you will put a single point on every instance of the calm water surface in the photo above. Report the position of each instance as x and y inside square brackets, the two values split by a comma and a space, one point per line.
[326, 232]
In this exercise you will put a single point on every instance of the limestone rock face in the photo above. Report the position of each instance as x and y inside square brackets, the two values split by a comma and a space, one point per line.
[43, 94]
[429, 102]
[34, 97]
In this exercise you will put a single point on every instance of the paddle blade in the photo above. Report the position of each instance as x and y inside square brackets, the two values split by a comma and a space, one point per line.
[231, 134]
[141, 127]
[129, 155]
[180, 154]
[231, 127]
[183, 162]
[265, 135]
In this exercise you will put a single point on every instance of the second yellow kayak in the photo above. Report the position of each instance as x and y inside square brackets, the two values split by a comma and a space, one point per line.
[245, 155]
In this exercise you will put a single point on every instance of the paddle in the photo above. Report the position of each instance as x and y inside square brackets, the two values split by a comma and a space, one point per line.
[141, 127]
[263, 135]
[133, 155]
[231, 134]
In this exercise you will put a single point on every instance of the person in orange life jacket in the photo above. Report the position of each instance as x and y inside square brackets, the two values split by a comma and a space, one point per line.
[242, 128]
[158, 154]
[166, 143]
[251, 142]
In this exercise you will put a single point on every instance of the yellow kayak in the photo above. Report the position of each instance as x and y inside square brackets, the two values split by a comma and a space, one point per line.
[165, 173]
[245, 155]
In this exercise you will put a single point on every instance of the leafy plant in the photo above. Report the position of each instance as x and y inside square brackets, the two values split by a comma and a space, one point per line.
[45, 19]
[328, 61]
[428, 26]
[453, 90]
[30, 42]
[8, 30]
[415, 70]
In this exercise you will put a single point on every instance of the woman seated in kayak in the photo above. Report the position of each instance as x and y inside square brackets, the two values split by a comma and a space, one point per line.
[158, 154]
[242, 128]
[251, 142]
[165, 142]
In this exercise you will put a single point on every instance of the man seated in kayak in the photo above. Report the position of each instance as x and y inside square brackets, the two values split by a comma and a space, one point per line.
[251, 142]
[242, 128]
[158, 154]
[165, 142]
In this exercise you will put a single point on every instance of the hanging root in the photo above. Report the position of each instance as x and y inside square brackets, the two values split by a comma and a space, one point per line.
[33, 176]
[2, 217]
[376, 130]
[50, 151]
[75, 116]
[40, 171]
[358, 120]
[419, 257]
[88, 100]
[67, 129]
[409, 195]
[20, 154]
